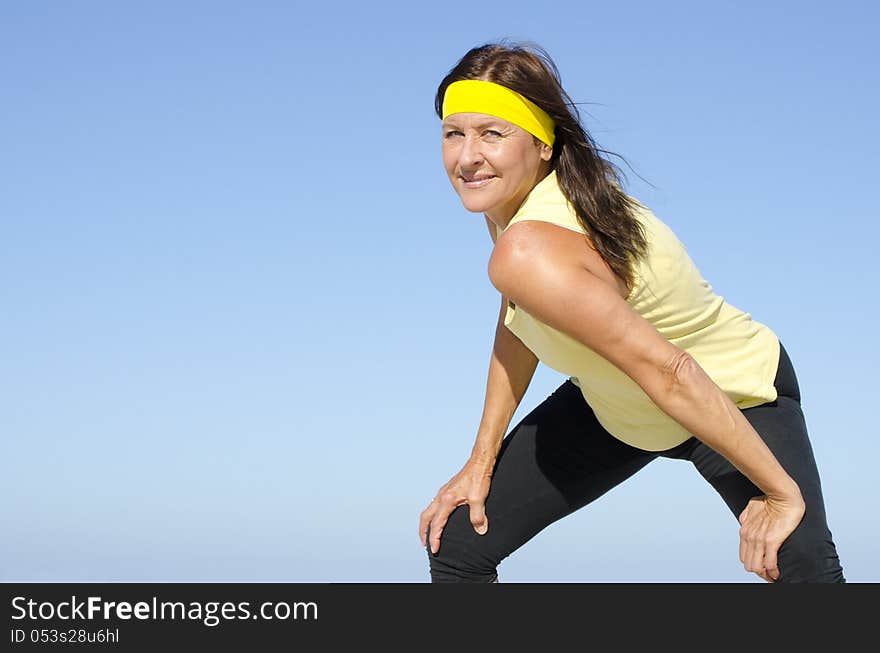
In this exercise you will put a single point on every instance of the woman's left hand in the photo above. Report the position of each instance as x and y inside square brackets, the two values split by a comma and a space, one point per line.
[765, 524]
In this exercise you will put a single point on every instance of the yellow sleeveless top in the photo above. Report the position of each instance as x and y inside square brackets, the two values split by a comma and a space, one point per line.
[739, 354]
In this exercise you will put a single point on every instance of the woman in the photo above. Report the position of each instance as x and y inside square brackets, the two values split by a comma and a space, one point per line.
[598, 288]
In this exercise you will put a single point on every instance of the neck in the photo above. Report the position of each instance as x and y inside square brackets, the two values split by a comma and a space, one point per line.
[503, 215]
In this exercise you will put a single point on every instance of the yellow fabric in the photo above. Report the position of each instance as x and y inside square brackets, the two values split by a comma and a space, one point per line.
[477, 96]
[740, 354]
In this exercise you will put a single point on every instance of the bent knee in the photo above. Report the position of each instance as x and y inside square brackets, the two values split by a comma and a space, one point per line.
[463, 556]
[809, 556]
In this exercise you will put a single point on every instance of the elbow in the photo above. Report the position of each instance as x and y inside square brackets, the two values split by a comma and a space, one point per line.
[689, 395]
[681, 384]
[679, 372]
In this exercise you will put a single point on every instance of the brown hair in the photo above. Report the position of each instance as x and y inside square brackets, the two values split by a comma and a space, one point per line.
[591, 183]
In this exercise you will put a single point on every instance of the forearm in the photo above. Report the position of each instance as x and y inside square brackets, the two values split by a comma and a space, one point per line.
[688, 395]
[511, 368]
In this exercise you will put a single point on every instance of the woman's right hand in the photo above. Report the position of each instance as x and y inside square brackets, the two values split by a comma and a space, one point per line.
[470, 486]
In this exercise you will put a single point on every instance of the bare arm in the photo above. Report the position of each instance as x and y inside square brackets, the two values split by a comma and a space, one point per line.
[570, 298]
[511, 368]
[558, 290]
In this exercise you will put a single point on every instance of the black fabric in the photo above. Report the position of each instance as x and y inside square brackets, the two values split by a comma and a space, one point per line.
[559, 459]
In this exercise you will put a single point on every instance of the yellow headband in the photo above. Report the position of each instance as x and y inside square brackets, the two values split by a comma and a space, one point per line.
[477, 96]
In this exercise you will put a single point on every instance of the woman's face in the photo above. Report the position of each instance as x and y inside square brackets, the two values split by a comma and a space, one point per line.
[492, 164]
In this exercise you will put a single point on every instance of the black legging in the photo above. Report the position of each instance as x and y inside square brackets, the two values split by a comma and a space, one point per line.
[559, 458]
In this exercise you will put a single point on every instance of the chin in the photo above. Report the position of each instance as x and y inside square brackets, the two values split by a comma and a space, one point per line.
[476, 205]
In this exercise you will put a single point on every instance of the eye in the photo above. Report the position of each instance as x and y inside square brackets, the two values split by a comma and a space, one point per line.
[492, 133]
[451, 133]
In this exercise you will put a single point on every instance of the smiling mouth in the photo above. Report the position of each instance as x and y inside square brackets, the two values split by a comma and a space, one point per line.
[476, 182]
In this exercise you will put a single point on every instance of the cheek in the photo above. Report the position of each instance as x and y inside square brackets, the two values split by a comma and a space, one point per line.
[512, 161]
[449, 164]
[514, 173]
[449, 161]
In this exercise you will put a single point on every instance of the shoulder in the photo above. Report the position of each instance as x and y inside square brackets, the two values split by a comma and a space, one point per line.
[529, 243]
[530, 240]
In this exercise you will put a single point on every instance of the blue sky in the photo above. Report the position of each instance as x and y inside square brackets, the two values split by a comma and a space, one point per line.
[247, 322]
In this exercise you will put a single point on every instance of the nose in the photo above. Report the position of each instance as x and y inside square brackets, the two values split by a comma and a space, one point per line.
[471, 155]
